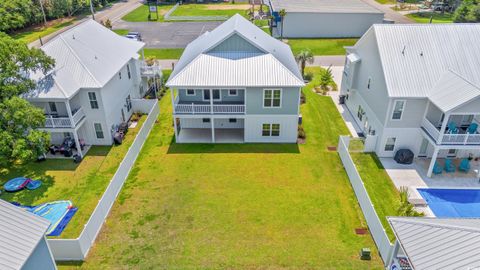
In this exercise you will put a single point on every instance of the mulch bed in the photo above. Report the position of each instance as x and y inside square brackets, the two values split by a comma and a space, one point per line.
[332, 148]
[361, 231]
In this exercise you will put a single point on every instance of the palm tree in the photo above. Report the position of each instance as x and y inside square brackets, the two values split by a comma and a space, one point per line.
[303, 57]
[282, 13]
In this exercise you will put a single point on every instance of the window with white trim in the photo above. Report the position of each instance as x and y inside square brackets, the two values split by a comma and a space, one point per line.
[270, 130]
[92, 96]
[272, 98]
[190, 92]
[98, 130]
[232, 92]
[215, 93]
[390, 144]
[398, 107]
[206, 120]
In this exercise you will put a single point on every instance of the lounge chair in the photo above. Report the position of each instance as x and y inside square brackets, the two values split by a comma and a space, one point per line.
[472, 129]
[449, 166]
[464, 165]
[437, 169]
[452, 128]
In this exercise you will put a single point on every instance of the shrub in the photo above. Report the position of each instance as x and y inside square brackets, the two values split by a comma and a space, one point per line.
[301, 132]
[308, 76]
[406, 208]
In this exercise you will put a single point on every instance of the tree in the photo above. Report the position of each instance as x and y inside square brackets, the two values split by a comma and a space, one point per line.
[406, 208]
[326, 78]
[20, 140]
[282, 13]
[304, 57]
[468, 12]
[14, 14]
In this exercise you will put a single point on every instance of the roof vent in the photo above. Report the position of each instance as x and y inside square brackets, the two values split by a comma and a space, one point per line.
[421, 53]
[96, 57]
[403, 51]
[73, 36]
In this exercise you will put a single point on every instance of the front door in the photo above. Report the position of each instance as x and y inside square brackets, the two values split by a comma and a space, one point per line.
[423, 148]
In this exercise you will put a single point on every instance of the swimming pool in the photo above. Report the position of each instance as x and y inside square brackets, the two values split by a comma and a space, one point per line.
[452, 202]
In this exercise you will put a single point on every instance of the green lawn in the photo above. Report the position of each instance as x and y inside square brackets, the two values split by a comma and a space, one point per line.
[424, 17]
[385, 197]
[140, 14]
[121, 32]
[173, 53]
[230, 206]
[322, 46]
[62, 179]
[223, 9]
[385, 2]
[33, 33]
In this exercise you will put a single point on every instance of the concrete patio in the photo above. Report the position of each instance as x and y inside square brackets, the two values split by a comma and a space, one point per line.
[204, 135]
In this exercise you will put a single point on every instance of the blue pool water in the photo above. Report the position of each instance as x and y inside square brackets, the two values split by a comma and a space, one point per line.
[452, 202]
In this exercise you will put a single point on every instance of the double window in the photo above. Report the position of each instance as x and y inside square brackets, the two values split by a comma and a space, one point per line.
[93, 100]
[270, 130]
[98, 130]
[215, 93]
[398, 107]
[390, 144]
[272, 98]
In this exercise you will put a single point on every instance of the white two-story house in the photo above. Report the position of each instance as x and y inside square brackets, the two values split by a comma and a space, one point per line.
[89, 91]
[236, 84]
[417, 87]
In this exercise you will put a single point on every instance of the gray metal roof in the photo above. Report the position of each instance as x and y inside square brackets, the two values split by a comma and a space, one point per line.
[323, 6]
[445, 99]
[20, 233]
[86, 56]
[437, 244]
[415, 57]
[196, 55]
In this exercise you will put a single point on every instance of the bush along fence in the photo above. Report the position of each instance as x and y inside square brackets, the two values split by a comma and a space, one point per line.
[77, 249]
[168, 16]
[373, 221]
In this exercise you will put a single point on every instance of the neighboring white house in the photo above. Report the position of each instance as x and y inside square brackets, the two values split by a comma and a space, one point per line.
[435, 243]
[236, 84]
[417, 87]
[323, 18]
[89, 91]
[23, 244]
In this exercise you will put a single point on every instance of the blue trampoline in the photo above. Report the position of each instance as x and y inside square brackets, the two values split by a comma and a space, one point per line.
[59, 213]
[454, 203]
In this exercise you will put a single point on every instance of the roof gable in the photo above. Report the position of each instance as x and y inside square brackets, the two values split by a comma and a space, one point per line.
[235, 43]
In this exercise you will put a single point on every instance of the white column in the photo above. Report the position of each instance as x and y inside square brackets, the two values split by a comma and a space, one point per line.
[212, 122]
[432, 162]
[443, 128]
[77, 143]
[69, 111]
[211, 101]
[175, 127]
[172, 94]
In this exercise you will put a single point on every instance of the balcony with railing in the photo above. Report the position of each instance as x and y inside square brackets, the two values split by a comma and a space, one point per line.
[150, 69]
[55, 121]
[185, 107]
[453, 135]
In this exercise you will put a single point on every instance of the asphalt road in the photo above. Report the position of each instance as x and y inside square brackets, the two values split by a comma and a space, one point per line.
[166, 34]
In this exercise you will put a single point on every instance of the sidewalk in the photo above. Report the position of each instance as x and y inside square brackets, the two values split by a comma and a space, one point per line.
[115, 12]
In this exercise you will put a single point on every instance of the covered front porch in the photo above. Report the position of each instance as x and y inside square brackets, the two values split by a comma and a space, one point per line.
[209, 130]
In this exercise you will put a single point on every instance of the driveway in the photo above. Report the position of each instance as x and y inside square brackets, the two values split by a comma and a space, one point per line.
[167, 35]
[390, 14]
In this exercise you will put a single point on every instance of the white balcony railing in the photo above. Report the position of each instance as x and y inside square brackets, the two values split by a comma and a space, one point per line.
[449, 139]
[207, 109]
[153, 70]
[64, 122]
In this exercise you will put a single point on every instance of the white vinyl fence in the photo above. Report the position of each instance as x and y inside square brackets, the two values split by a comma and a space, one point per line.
[168, 16]
[77, 249]
[373, 221]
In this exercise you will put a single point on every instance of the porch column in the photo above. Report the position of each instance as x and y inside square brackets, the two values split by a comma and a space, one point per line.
[172, 93]
[69, 111]
[443, 128]
[212, 122]
[175, 128]
[211, 101]
[432, 162]
[77, 143]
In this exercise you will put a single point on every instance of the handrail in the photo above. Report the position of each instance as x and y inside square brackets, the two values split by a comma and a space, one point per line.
[450, 139]
[193, 108]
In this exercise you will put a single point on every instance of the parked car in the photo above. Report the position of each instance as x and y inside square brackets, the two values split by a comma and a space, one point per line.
[134, 36]
[441, 7]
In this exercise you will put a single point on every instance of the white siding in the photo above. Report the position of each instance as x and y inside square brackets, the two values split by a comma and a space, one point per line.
[310, 25]
[41, 258]
[412, 115]
[219, 123]
[288, 128]
[406, 138]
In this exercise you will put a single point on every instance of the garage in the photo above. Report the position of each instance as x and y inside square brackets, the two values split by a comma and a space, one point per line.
[323, 18]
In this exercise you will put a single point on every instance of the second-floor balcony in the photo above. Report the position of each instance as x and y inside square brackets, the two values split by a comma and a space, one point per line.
[453, 135]
[56, 121]
[199, 108]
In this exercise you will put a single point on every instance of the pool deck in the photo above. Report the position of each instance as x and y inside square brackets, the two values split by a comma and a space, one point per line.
[414, 176]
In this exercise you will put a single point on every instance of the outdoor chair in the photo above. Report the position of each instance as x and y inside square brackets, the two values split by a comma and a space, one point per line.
[472, 129]
[464, 165]
[452, 128]
[437, 169]
[449, 166]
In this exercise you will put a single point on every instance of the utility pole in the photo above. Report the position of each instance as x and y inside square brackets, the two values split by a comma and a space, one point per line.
[43, 12]
[91, 10]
